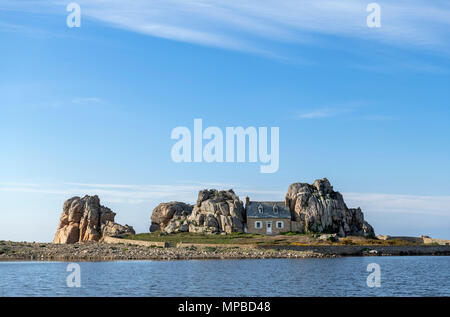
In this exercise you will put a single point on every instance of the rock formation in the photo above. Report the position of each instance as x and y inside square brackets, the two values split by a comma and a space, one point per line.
[217, 212]
[171, 217]
[214, 212]
[314, 208]
[84, 219]
[318, 208]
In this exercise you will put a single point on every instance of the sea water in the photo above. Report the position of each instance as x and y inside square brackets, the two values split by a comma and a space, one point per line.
[346, 276]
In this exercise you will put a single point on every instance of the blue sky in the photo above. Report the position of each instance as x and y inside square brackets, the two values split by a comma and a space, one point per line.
[90, 110]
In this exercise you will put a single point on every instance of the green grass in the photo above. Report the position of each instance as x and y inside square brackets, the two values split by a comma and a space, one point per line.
[291, 233]
[287, 238]
[233, 238]
[400, 242]
[394, 242]
[298, 234]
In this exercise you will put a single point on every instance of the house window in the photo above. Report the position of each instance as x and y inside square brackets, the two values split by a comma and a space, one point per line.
[258, 224]
[260, 209]
[280, 224]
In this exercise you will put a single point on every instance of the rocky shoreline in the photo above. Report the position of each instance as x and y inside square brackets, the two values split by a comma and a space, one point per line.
[93, 251]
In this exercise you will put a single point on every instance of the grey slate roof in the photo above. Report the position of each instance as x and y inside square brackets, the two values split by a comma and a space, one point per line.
[268, 209]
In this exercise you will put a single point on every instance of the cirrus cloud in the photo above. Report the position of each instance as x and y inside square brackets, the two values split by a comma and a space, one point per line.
[255, 25]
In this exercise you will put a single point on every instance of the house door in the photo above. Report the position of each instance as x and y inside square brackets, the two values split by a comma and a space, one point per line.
[269, 227]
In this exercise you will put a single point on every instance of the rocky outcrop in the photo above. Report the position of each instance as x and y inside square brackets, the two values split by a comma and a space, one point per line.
[318, 208]
[171, 217]
[217, 212]
[314, 208]
[112, 229]
[84, 219]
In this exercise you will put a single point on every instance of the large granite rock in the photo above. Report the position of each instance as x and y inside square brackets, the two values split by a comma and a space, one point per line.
[318, 208]
[169, 213]
[84, 219]
[217, 212]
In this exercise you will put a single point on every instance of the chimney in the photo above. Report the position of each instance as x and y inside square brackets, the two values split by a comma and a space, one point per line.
[247, 201]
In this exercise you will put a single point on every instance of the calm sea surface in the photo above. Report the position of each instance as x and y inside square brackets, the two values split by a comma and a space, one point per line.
[400, 276]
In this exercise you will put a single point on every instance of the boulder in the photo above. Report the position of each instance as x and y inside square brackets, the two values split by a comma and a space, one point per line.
[84, 219]
[369, 252]
[319, 209]
[112, 229]
[217, 212]
[214, 212]
[165, 212]
[332, 237]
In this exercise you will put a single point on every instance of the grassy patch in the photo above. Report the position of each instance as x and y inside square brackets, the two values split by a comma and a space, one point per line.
[290, 234]
[399, 242]
[347, 242]
[394, 242]
[308, 234]
[173, 239]
[287, 238]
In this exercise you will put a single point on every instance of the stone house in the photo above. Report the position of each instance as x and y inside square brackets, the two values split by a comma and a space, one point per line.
[266, 217]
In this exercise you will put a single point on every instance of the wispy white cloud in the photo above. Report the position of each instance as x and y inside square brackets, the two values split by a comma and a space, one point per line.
[353, 111]
[229, 23]
[371, 203]
[400, 204]
[14, 27]
[249, 25]
[324, 113]
[117, 193]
